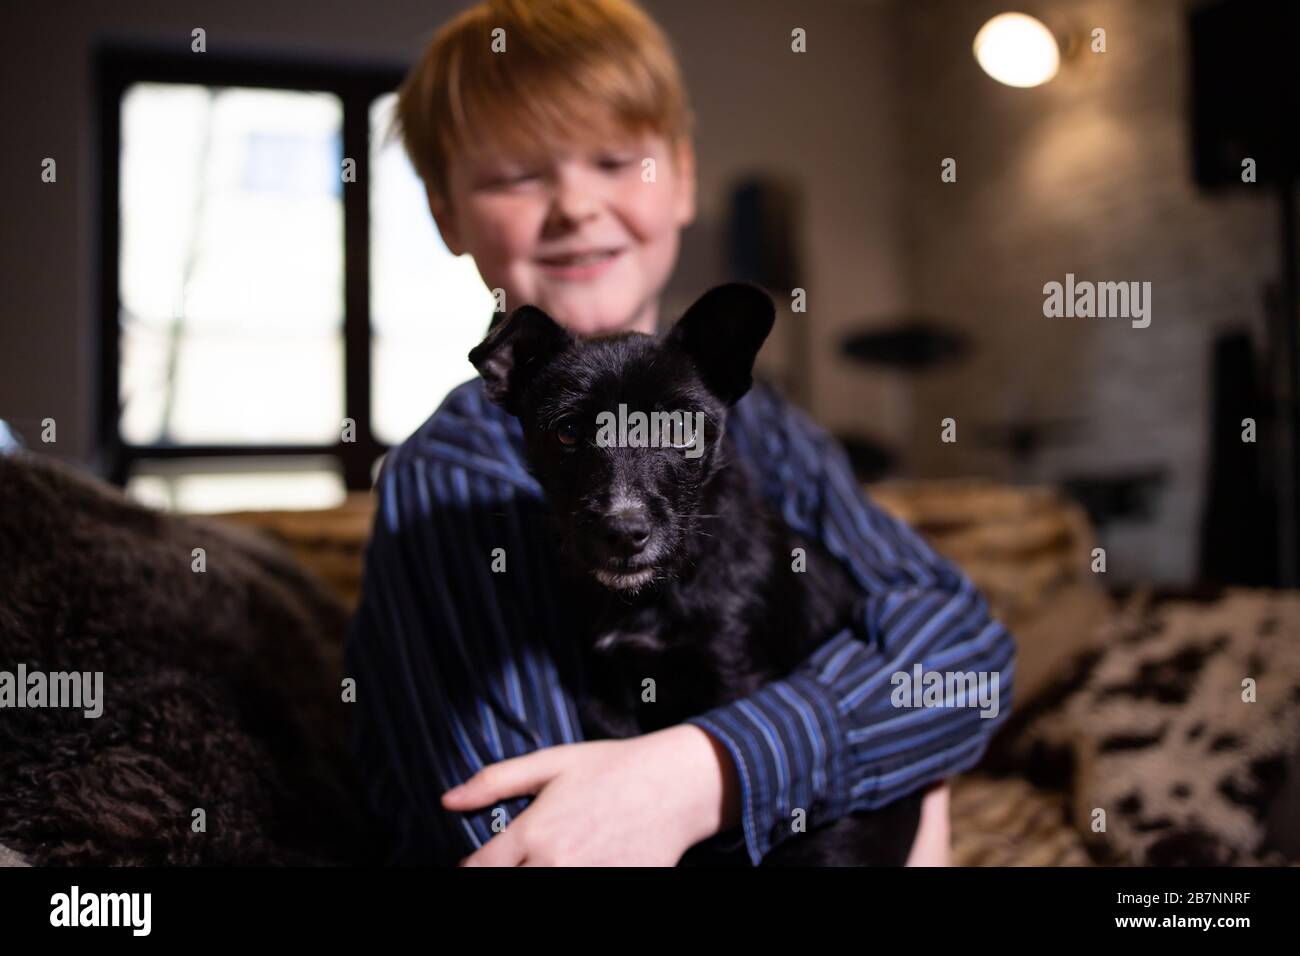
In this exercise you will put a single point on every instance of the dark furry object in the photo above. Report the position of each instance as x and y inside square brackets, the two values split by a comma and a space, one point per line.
[221, 689]
[685, 569]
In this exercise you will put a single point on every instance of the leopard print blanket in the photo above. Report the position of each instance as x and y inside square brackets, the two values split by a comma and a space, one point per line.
[1174, 741]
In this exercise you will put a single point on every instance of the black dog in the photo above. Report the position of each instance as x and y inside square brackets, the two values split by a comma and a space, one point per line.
[687, 572]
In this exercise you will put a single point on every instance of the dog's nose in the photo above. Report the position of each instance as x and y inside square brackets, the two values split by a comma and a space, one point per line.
[627, 531]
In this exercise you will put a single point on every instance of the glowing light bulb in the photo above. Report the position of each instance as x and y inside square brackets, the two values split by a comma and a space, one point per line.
[1017, 50]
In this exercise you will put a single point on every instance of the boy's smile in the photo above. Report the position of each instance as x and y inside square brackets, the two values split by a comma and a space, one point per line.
[578, 265]
[578, 232]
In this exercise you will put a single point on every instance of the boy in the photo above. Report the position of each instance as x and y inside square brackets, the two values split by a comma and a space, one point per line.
[533, 125]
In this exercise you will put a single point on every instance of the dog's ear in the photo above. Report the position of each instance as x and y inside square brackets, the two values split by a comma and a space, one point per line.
[722, 333]
[514, 350]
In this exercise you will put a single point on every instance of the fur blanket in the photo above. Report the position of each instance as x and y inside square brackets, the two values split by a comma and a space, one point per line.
[221, 688]
[1156, 727]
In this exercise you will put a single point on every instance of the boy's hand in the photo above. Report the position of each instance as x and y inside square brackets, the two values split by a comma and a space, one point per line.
[642, 801]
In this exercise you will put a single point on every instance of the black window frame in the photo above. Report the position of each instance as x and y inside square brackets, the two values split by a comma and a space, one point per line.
[357, 84]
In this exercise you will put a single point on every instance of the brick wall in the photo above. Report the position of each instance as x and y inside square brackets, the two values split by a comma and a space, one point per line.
[1089, 174]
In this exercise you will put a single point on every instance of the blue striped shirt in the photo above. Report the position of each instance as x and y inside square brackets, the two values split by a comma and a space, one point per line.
[459, 665]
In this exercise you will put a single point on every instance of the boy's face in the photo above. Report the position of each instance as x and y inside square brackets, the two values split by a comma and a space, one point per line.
[527, 220]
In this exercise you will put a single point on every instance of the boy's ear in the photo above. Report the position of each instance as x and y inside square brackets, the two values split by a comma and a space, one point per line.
[722, 333]
[513, 352]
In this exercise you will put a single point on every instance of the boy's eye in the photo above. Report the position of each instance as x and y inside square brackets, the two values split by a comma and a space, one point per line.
[516, 179]
[505, 178]
[615, 163]
[567, 433]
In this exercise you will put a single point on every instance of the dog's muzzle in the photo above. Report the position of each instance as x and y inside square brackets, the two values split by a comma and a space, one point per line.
[624, 544]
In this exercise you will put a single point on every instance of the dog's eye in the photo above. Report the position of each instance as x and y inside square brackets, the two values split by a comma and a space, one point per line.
[567, 433]
[683, 433]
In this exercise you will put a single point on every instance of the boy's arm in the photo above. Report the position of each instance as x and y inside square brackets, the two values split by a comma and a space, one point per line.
[448, 677]
[828, 739]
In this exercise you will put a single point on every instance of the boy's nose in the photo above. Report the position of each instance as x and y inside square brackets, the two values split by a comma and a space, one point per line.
[574, 198]
[627, 531]
[571, 209]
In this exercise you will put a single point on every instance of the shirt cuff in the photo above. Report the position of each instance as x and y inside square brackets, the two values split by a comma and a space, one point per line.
[787, 741]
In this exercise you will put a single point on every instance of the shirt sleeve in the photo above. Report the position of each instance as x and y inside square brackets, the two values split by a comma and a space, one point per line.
[843, 732]
[448, 677]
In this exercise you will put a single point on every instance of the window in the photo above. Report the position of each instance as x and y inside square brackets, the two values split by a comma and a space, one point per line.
[270, 325]
[231, 259]
[427, 308]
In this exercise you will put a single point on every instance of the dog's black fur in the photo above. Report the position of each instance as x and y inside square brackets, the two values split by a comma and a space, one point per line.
[687, 571]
